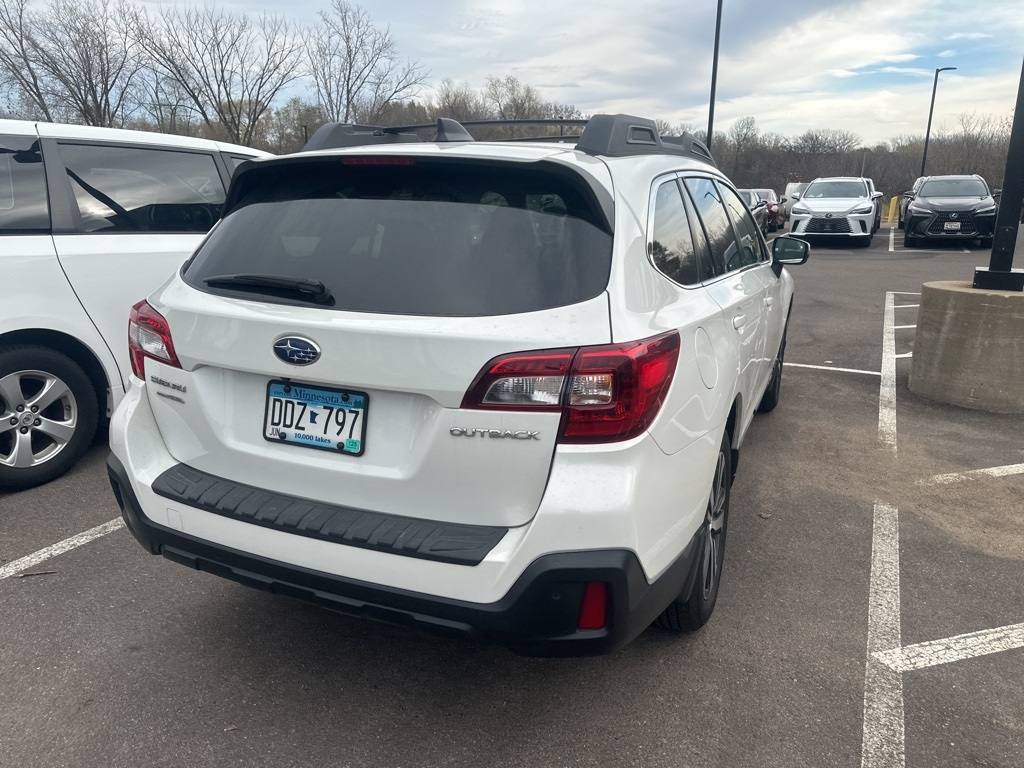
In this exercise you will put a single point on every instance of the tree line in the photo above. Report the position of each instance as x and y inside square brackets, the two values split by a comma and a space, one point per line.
[223, 74]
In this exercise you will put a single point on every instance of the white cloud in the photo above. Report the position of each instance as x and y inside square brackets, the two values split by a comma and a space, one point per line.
[900, 57]
[968, 36]
[905, 71]
[842, 73]
[946, 54]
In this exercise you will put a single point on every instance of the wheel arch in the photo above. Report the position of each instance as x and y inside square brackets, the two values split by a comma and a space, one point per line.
[731, 427]
[73, 348]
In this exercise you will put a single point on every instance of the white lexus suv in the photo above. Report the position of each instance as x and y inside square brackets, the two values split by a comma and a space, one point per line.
[490, 389]
[839, 206]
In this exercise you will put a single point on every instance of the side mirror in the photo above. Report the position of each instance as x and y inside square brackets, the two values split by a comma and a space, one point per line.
[782, 200]
[996, 192]
[876, 195]
[796, 195]
[909, 194]
[790, 250]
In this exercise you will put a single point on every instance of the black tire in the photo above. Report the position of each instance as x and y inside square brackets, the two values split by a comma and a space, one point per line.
[691, 612]
[773, 227]
[865, 242]
[908, 241]
[986, 242]
[770, 398]
[48, 442]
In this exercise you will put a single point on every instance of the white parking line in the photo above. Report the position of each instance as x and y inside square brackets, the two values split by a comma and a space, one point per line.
[950, 649]
[23, 564]
[906, 306]
[883, 741]
[957, 477]
[833, 368]
[887, 388]
[901, 327]
[906, 293]
[903, 355]
[892, 239]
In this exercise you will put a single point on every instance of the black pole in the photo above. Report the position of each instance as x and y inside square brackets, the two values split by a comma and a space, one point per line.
[714, 76]
[931, 109]
[1000, 273]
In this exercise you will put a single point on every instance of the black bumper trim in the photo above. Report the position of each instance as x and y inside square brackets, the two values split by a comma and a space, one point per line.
[427, 539]
[538, 616]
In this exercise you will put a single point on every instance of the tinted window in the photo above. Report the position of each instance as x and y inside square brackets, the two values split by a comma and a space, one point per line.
[122, 189]
[707, 199]
[419, 236]
[768, 195]
[23, 206]
[954, 188]
[671, 246]
[750, 250]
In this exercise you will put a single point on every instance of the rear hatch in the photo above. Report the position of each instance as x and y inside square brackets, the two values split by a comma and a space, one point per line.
[333, 323]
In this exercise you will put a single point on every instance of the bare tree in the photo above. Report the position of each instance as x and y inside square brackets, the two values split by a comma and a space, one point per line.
[459, 101]
[512, 99]
[229, 66]
[356, 70]
[75, 61]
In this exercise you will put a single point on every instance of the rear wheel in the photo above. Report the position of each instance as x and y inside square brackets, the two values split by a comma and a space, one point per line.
[694, 611]
[48, 414]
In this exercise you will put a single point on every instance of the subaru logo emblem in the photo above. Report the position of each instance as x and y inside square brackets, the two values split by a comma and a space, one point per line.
[296, 350]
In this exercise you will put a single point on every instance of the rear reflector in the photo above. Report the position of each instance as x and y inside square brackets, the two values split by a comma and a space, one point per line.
[149, 335]
[594, 609]
[608, 393]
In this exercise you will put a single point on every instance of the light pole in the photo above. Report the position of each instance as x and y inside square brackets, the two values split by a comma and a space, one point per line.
[931, 109]
[863, 159]
[714, 75]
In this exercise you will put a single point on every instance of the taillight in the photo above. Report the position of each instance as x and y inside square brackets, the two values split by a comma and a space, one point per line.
[594, 608]
[149, 336]
[607, 393]
[618, 389]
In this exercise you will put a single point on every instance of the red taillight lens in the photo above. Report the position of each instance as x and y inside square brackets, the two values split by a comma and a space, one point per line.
[608, 393]
[634, 377]
[149, 336]
[594, 609]
[531, 380]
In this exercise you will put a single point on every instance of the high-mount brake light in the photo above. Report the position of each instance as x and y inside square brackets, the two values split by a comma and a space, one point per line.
[607, 393]
[377, 160]
[149, 335]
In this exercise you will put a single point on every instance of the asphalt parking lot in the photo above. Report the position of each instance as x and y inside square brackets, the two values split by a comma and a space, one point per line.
[870, 614]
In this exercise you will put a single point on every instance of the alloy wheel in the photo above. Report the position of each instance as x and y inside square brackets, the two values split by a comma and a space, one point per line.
[714, 529]
[38, 416]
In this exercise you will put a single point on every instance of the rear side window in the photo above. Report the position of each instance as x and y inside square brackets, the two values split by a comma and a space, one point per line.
[126, 189]
[671, 245]
[711, 210]
[421, 237]
[23, 205]
[750, 250]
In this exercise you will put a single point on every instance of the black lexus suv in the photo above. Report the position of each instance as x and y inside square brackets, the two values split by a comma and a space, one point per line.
[950, 208]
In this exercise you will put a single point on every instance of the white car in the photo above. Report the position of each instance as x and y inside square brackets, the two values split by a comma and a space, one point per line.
[491, 389]
[90, 218]
[839, 206]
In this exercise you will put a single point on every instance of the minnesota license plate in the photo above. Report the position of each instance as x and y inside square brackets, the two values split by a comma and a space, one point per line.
[952, 226]
[316, 417]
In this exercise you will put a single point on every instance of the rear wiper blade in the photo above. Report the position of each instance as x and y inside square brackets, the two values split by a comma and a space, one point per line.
[307, 287]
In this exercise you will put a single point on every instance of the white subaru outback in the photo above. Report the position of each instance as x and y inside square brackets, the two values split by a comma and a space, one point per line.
[490, 389]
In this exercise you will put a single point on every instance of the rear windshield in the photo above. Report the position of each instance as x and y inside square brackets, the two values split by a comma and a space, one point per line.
[954, 188]
[419, 237]
[824, 190]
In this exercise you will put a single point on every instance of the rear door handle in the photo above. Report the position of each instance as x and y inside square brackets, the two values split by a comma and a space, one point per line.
[739, 321]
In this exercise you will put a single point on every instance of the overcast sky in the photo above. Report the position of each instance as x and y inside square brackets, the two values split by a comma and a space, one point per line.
[862, 65]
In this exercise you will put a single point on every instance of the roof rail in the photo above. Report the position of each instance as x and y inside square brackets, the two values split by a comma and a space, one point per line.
[604, 135]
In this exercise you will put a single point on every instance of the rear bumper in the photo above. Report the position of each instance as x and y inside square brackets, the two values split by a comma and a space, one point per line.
[537, 616]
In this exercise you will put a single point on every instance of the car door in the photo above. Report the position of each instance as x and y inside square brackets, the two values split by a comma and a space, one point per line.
[132, 215]
[734, 282]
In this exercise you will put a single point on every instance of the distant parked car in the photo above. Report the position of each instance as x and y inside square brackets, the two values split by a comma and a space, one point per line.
[792, 188]
[877, 198]
[758, 208]
[777, 214]
[951, 208]
[90, 219]
[840, 206]
[905, 199]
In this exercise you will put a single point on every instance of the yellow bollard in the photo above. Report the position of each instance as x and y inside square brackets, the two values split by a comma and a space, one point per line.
[894, 208]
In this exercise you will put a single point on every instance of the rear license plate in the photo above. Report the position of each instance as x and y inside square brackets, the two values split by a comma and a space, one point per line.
[952, 226]
[316, 417]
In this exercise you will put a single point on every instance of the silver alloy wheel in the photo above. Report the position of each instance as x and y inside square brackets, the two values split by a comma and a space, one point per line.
[38, 415]
[714, 525]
